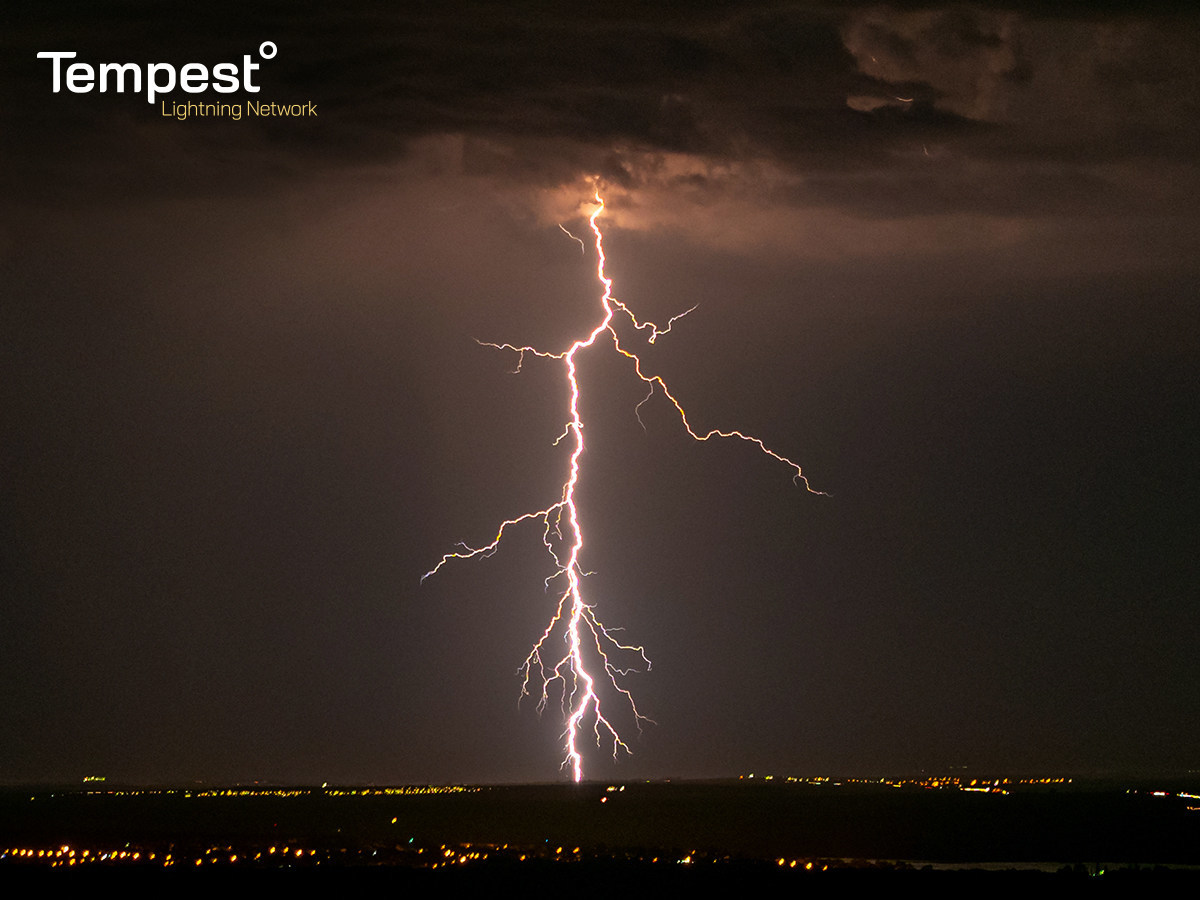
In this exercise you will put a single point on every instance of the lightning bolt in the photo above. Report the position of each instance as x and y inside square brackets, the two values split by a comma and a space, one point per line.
[571, 676]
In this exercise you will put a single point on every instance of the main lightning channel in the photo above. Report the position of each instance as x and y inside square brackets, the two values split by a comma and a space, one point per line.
[569, 677]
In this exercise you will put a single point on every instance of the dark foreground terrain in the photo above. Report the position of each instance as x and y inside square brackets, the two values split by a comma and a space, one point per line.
[741, 832]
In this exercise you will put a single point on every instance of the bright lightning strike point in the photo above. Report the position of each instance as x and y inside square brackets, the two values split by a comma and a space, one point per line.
[591, 652]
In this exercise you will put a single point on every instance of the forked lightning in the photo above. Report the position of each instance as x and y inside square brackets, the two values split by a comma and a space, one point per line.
[572, 677]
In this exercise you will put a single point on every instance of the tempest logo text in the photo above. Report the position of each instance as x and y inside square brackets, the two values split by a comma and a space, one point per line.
[160, 78]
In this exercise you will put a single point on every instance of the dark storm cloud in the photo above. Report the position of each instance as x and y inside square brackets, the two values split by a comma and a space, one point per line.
[561, 90]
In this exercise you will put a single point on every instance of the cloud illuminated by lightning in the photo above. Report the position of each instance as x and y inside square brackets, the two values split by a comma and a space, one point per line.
[591, 650]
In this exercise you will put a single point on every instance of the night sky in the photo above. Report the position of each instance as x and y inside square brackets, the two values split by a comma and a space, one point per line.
[944, 256]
